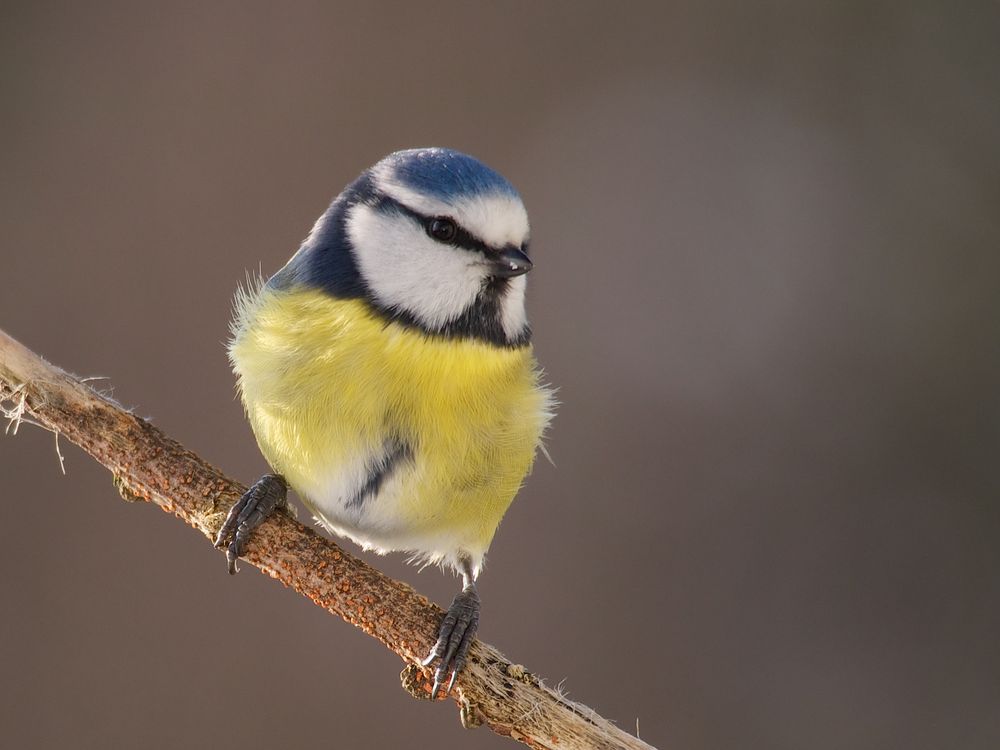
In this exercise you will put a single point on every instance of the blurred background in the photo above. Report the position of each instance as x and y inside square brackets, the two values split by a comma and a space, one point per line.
[767, 240]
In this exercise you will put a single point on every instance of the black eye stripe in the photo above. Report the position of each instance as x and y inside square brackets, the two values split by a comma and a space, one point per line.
[462, 238]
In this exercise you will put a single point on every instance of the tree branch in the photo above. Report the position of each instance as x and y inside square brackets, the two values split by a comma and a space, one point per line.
[148, 465]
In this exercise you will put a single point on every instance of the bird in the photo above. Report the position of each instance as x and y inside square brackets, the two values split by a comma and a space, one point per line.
[388, 375]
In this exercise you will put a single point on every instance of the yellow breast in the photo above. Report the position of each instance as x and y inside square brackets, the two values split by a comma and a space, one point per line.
[325, 382]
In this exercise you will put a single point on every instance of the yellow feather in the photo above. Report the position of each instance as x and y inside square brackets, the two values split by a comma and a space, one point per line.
[325, 380]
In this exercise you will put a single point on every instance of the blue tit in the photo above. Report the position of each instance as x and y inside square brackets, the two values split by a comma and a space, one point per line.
[388, 375]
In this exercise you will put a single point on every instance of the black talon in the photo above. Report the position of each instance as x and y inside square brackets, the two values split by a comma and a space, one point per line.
[458, 630]
[268, 494]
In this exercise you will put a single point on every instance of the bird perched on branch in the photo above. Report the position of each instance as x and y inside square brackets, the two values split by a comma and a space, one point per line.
[388, 374]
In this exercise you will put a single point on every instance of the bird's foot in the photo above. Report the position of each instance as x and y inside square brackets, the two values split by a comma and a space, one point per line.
[268, 494]
[458, 629]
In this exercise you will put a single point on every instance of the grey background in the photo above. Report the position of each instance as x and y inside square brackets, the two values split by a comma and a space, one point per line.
[767, 287]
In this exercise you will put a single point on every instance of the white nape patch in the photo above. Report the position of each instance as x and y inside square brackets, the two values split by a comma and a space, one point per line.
[406, 269]
[498, 219]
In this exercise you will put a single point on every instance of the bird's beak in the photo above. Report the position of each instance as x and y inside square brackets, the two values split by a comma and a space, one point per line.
[509, 262]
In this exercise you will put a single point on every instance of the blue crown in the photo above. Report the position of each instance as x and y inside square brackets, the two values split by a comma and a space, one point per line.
[444, 173]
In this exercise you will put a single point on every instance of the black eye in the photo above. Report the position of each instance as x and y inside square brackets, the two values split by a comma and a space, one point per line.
[442, 229]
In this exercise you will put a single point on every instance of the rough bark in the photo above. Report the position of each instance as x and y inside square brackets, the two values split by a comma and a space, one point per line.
[148, 465]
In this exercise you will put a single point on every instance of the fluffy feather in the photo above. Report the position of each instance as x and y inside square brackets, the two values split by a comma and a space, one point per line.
[327, 384]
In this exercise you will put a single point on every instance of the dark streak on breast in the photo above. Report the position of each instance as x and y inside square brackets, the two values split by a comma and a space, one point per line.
[395, 453]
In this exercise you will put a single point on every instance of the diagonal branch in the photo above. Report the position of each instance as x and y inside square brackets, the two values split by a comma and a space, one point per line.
[148, 465]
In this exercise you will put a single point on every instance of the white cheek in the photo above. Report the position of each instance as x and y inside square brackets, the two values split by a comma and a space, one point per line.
[512, 313]
[405, 269]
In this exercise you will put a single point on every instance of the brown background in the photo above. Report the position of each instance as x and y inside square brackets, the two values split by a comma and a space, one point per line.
[768, 265]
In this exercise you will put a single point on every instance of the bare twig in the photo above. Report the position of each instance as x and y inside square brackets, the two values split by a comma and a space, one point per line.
[150, 466]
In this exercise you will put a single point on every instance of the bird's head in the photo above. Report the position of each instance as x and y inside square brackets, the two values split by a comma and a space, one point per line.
[431, 238]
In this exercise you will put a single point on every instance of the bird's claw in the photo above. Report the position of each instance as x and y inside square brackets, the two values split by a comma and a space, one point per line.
[269, 493]
[458, 630]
